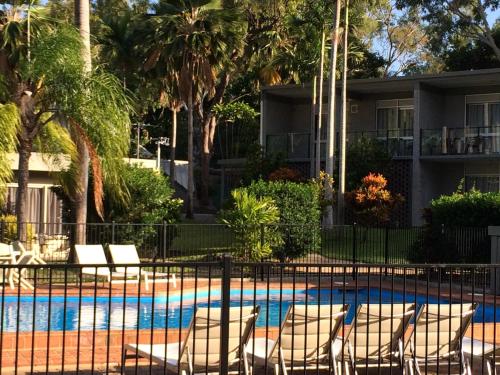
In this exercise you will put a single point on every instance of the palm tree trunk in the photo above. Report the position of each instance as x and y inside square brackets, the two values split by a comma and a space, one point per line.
[343, 129]
[330, 155]
[80, 193]
[190, 197]
[22, 189]
[82, 19]
[208, 131]
[173, 144]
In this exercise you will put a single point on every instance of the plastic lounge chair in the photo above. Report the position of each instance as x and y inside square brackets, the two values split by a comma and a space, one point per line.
[305, 341]
[94, 254]
[200, 351]
[127, 254]
[376, 336]
[19, 247]
[479, 349]
[14, 275]
[437, 336]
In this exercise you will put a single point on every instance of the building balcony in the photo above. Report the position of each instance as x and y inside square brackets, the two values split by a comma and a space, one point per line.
[464, 141]
[297, 146]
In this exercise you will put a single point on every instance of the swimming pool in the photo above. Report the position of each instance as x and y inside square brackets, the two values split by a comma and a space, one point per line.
[117, 313]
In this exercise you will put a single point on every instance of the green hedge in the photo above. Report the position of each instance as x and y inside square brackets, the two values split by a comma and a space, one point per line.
[470, 209]
[299, 206]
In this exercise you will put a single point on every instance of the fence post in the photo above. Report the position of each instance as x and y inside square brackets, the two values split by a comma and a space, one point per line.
[113, 232]
[225, 303]
[386, 248]
[164, 240]
[2, 231]
[261, 246]
[494, 233]
[354, 249]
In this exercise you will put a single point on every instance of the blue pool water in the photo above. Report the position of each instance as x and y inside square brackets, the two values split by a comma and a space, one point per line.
[161, 312]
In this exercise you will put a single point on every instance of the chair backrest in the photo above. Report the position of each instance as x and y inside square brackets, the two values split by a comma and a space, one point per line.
[203, 339]
[6, 250]
[376, 330]
[92, 254]
[125, 254]
[18, 246]
[439, 329]
[307, 333]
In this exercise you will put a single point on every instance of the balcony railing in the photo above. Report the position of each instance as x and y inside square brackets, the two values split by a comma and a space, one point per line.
[460, 141]
[398, 142]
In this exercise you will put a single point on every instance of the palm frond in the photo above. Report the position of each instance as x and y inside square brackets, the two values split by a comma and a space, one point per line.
[10, 123]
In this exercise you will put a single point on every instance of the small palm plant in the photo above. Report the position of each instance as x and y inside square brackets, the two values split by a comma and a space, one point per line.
[254, 223]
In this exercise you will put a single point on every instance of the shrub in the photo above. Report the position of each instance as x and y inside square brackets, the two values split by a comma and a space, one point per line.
[299, 208]
[372, 204]
[453, 228]
[470, 209]
[286, 174]
[151, 199]
[10, 229]
[252, 221]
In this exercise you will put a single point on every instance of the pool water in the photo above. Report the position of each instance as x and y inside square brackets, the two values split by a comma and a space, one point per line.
[71, 313]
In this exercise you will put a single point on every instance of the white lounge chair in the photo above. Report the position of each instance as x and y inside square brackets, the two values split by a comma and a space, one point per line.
[305, 340]
[127, 254]
[376, 336]
[200, 350]
[94, 254]
[14, 275]
[437, 336]
[21, 249]
[486, 351]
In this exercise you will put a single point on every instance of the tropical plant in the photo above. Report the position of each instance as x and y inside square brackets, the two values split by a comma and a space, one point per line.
[286, 174]
[51, 85]
[299, 210]
[151, 199]
[254, 223]
[8, 229]
[372, 203]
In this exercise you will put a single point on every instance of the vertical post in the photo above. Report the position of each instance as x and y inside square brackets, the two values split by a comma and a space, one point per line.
[386, 248]
[2, 231]
[164, 240]
[225, 301]
[113, 232]
[261, 246]
[353, 249]
[494, 233]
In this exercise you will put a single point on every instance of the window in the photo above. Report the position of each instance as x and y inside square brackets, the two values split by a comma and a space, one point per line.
[482, 110]
[485, 184]
[395, 117]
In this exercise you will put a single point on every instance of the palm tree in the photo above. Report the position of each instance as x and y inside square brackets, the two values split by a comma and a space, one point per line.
[54, 89]
[79, 195]
[202, 32]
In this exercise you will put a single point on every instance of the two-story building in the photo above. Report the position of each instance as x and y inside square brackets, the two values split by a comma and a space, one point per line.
[440, 129]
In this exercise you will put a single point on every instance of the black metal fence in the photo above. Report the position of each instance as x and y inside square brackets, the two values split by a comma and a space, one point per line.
[300, 243]
[250, 318]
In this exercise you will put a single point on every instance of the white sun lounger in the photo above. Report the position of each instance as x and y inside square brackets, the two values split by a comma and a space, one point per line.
[200, 350]
[14, 275]
[437, 336]
[94, 254]
[127, 254]
[305, 341]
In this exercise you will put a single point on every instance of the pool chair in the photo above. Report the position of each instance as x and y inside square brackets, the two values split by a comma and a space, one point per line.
[375, 338]
[127, 254]
[437, 336]
[480, 350]
[94, 254]
[199, 352]
[20, 249]
[305, 340]
[14, 276]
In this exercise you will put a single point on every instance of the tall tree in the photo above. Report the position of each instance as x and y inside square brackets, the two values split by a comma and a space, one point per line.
[448, 19]
[53, 89]
[79, 195]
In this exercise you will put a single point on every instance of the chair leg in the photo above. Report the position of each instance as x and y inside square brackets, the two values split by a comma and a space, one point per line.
[174, 280]
[276, 369]
[124, 358]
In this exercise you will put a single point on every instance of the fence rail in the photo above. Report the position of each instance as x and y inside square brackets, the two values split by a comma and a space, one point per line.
[336, 318]
[301, 243]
